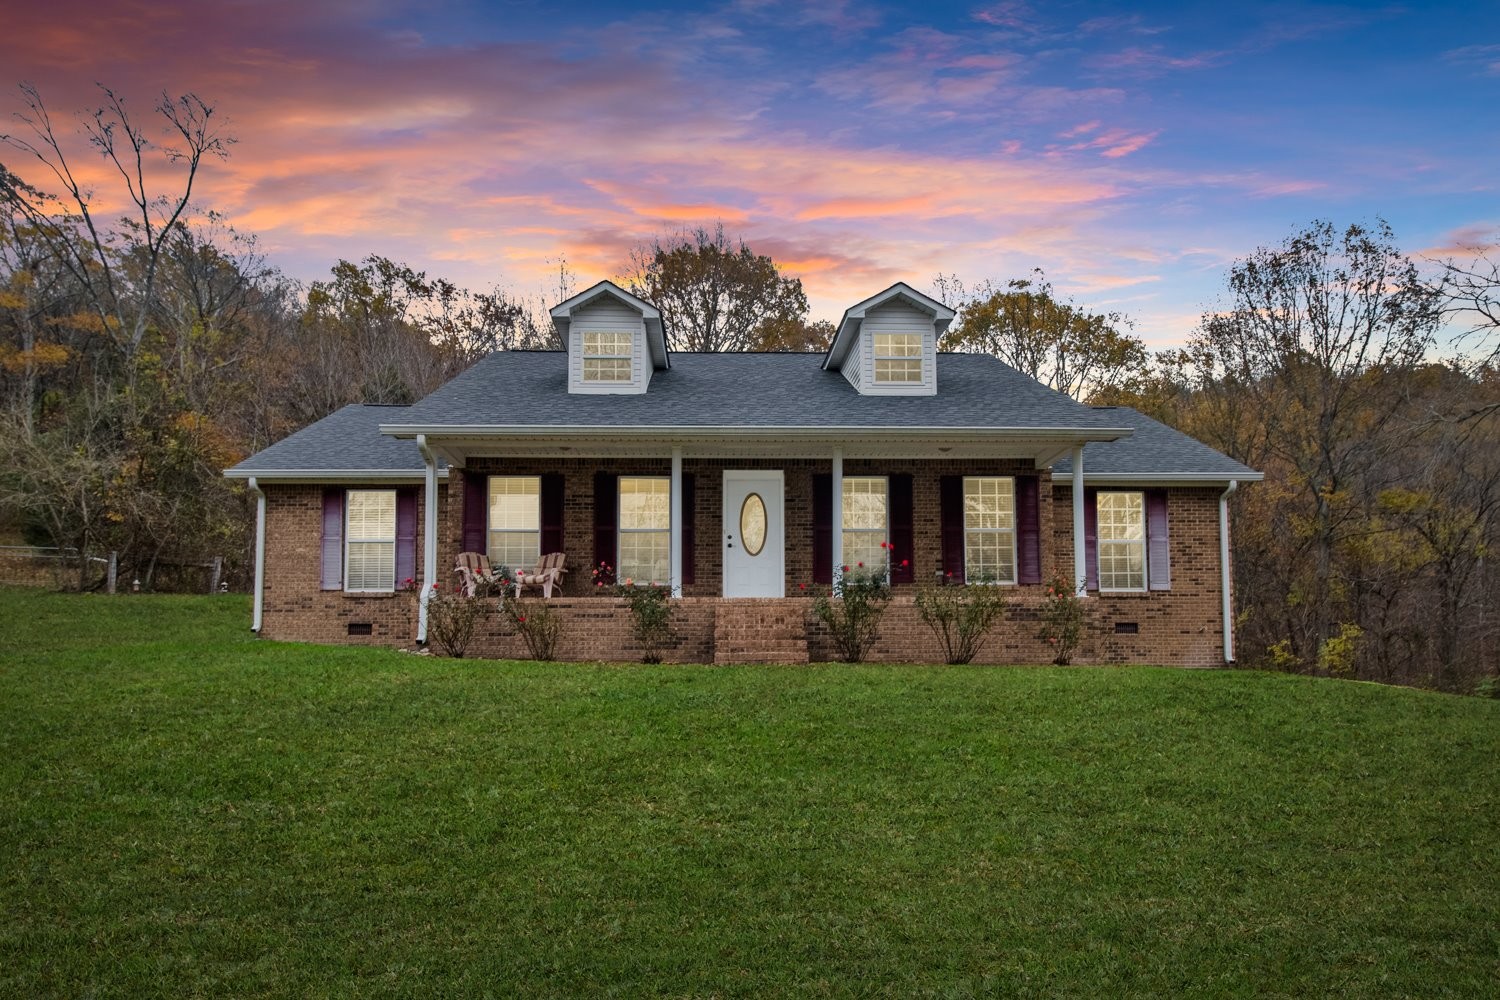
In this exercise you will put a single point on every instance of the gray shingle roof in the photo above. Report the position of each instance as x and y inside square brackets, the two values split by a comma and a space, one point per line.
[530, 389]
[1153, 450]
[347, 440]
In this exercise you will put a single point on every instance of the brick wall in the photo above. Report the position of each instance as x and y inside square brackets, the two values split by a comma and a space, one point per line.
[1181, 626]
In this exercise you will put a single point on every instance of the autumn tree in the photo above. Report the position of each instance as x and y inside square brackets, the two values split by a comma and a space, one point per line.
[1026, 324]
[716, 294]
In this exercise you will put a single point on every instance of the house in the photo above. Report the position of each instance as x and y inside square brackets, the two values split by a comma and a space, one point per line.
[744, 481]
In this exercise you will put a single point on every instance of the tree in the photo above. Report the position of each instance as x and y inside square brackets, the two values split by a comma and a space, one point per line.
[85, 245]
[715, 293]
[1062, 345]
[1315, 343]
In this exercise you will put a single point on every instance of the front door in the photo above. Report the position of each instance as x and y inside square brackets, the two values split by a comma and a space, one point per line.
[754, 534]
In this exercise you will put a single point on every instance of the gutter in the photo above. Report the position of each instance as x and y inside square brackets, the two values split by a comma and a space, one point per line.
[429, 535]
[260, 555]
[1224, 570]
[331, 475]
[690, 431]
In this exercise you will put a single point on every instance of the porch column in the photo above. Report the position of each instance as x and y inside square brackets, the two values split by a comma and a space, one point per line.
[838, 513]
[675, 544]
[429, 533]
[1080, 554]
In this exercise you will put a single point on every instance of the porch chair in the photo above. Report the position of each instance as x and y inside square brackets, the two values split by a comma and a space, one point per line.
[547, 572]
[473, 568]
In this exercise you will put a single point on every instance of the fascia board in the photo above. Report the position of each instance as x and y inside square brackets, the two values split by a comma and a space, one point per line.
[331, 475]
[439, 431]
[1167, 478]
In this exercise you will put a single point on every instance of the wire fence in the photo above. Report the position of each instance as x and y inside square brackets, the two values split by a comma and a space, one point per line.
[61, 568]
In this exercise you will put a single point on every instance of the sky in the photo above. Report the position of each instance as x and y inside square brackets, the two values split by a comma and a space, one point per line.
[1133, 152]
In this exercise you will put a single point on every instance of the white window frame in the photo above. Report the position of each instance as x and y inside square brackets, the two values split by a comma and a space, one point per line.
[883, 533]
[599, 354]
[969, 574]
[349, 539]
[888, 354]
[1100, 542]
[490, 531]
[621, 531]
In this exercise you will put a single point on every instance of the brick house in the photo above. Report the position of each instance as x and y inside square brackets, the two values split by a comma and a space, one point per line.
[744, 481]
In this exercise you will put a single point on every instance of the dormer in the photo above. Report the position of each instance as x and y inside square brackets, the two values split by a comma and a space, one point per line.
[614, 340]
[887, 345]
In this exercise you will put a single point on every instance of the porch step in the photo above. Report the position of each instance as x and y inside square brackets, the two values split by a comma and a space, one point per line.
[754, 631]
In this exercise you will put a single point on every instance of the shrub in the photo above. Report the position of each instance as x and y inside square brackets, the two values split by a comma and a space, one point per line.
[452, 617]
[651, 614]
[1062, 620]
[852, 611]
[1336, 653]
[961, 617]
[538, 622]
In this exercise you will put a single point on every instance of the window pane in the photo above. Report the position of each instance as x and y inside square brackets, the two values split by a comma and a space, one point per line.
[372, 566]
[371, 515]
[989, 556]
[514, 549]
[864, 547]
[607, 344]
[645, 503]
[606, 370]
[515, 503]
[989, 502]
[644, 556]
[898, 345]
[1122, 516]
[864, 503]
[1122, 565]
[897, 371]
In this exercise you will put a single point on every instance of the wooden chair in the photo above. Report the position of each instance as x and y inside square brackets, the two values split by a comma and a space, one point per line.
[547, 573]
[473, 568]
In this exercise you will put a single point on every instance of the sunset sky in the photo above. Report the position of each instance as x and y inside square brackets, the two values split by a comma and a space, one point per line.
[1132, 155]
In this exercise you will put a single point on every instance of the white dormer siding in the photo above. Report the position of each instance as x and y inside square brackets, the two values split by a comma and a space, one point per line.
[894, 317]
[607, 316]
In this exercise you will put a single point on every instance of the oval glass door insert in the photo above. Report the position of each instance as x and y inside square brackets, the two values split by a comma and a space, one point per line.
[753, 524]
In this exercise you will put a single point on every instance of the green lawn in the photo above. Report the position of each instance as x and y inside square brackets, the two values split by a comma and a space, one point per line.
[186, 811]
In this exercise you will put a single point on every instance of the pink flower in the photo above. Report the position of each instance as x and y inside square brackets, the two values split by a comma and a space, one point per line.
[905, 562]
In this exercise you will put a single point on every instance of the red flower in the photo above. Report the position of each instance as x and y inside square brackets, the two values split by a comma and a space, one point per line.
[846, 569]
[520, 618]
[905, 562]
[861, 565]
[801, 586]
[949, 573]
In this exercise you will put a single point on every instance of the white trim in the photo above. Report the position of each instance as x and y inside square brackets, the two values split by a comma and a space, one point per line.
[1168, 478]
[1224, 580]
[1145, 544]
[333, 475]
[394, 541]
[674, 545]
[1015, 554]
[260, 556]
[837, 543]
[429, 536]
[840, 432]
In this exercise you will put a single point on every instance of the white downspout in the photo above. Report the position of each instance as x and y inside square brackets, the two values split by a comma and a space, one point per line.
[260, 556]
[1080, 552]
[429, 535]
[1224, 570]
[675, 535]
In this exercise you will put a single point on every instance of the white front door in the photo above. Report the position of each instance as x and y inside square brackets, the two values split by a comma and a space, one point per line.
[754, 534]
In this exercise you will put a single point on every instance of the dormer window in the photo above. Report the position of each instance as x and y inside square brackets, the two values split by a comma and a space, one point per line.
[898, 357]
[606, 357]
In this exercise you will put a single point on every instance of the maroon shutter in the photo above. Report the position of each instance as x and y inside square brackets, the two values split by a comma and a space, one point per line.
[822, 519]
[1090, 538]
[333, 539]
[406, 535]
[552, 512]
[1028, 530]
[475, 520]
[902, 534]
[689, 527]
[606, 517]
[1158, 552]
[951, 514]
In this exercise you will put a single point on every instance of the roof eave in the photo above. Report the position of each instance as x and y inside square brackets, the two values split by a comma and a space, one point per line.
[330, 475]
[1078, 434]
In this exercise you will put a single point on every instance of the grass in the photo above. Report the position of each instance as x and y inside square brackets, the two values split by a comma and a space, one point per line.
[185, 811]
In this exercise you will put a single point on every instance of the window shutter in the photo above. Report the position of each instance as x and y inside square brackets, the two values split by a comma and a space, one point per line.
[406, 535]
[1158, 551]
[689, 527]
[333, 539]
[822, 519]
[901, 530]
[1028, 530]
[606, 517]
[1090, 538]
[552, 513]
[475, 520]
[951, 514]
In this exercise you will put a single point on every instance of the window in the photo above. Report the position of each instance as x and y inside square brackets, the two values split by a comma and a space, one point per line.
[370, 540]
[515, 521]
[864, 526]
[989, 529]
[606, 357]
[1122, 541]
[898, 357]
[645, 529]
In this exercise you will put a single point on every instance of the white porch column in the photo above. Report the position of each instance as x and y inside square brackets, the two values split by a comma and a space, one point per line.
[838, 513]
[429, 534]
[675, 544]
[1080, 554]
